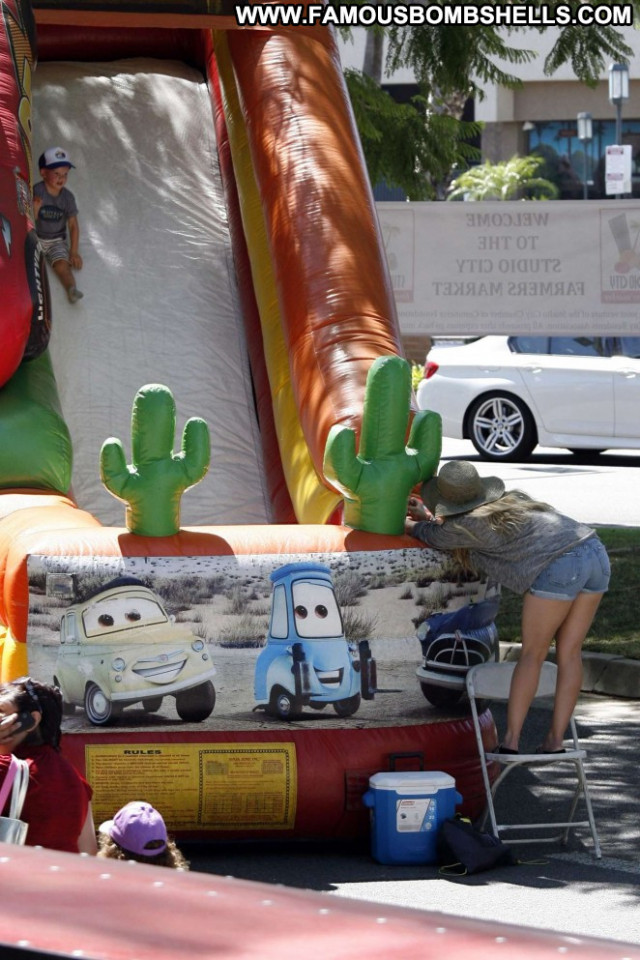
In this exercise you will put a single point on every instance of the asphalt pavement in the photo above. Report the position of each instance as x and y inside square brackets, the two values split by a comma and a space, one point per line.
[599, 490]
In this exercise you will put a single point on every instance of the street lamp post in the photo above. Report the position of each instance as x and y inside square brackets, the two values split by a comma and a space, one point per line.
[585, 136]
[618, 93]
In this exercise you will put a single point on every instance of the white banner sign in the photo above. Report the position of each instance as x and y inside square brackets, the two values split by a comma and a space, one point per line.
[554, 267]
[617, 171]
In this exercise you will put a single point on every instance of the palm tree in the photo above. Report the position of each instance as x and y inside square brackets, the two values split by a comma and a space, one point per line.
[513, 179]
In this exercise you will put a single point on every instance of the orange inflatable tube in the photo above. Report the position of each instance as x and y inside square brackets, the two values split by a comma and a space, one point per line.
[337, 306]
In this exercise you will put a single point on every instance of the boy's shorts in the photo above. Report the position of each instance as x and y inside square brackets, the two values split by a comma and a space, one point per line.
[55, 249]
[584, 568]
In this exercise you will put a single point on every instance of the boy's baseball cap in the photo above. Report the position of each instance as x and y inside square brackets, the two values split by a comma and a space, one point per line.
[138, 828]
[54, 157]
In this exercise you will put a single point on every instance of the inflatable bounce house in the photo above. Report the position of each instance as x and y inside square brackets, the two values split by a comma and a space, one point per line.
[243, 656]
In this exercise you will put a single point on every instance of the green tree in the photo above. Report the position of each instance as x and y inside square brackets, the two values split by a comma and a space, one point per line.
[415, 145]
[515, 179]
[408, 145]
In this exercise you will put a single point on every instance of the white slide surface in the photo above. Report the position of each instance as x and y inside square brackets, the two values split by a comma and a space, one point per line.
[160, 300]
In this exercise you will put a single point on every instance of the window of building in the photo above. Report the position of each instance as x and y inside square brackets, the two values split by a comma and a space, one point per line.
[568, 161]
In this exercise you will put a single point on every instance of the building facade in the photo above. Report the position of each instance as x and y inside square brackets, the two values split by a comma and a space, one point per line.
[541, 116]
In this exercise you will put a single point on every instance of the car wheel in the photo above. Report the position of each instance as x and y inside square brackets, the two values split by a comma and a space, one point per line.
[284, 705]
[152, 704]
[346, 708]
[197, 704]
[98, 708]
[501, 427]
[68, 709]
[440, 696]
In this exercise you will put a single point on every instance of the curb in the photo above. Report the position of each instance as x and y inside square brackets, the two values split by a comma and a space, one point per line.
[603, 673]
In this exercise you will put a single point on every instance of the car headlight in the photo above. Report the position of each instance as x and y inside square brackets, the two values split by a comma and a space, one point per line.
[118, 664]
[197, 645]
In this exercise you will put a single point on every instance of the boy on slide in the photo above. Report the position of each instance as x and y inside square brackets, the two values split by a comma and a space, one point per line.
[55, 212]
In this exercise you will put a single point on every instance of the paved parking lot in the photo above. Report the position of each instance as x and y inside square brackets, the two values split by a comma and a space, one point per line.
[599, 490]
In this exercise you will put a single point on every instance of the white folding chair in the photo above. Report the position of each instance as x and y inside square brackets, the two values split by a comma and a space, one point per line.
[492, 681]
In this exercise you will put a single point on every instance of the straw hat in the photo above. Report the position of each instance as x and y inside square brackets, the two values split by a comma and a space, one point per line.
[459, 488]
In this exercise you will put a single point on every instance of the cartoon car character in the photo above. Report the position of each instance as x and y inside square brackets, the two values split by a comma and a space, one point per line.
[119, 646]
[451, 644]
[307, 660]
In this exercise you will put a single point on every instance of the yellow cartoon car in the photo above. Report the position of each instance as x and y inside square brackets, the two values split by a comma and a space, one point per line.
[119, 647]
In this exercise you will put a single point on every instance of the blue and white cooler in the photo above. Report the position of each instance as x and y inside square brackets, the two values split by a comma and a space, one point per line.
[406, 810]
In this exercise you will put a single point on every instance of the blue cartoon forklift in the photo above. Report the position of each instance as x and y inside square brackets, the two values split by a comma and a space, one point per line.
[307, 660]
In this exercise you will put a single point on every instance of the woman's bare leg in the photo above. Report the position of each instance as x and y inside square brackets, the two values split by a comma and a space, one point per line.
[569, 640]
[541, 619]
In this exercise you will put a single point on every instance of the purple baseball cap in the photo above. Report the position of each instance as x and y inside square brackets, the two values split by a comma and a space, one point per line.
[138, 828]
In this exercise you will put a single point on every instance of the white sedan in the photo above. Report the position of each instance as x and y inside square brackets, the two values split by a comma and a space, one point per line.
[507, 394]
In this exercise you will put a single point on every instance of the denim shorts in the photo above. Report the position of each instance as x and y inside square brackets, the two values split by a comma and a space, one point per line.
[584, 568]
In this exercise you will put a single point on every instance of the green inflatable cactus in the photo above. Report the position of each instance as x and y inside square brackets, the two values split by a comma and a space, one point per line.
[153, 485]
[377, 480]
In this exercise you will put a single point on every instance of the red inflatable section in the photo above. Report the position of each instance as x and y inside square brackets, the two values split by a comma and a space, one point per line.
[333, 769]
[16, 65]
[84, 910]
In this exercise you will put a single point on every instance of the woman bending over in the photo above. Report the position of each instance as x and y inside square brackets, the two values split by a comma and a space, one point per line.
[560, 566]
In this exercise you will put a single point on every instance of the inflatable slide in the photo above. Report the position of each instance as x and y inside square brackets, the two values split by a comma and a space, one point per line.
[232, 261]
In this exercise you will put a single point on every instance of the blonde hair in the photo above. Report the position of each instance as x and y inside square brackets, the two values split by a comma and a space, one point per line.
[505, 515]
[170, 857]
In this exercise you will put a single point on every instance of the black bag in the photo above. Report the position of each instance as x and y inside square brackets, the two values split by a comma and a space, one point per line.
[462, 849]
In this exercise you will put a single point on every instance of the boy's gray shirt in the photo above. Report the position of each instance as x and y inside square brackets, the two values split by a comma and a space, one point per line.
[54, 213]
[514, 558]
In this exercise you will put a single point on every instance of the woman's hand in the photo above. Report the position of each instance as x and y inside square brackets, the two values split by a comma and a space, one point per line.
[417, 510]
[9, 730]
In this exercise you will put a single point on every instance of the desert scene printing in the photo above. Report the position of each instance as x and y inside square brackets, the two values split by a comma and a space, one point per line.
[245, 642]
